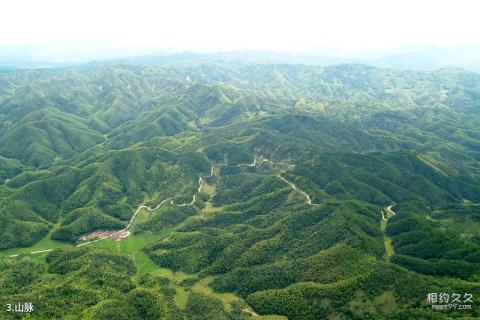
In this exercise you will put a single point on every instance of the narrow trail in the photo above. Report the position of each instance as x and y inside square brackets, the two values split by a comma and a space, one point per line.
[383, 216]
[253, 164]
[387, 241]
[294, 187]
[194, 198]
[200, 183]
[389, 211]
[185, 204]
[126, 229]
[149, 208]
[258, 161]
[128, 225]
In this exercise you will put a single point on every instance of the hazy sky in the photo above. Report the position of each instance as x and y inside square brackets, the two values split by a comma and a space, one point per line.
[211, 25]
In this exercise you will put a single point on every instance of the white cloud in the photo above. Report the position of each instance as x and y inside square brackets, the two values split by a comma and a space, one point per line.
[206, 25]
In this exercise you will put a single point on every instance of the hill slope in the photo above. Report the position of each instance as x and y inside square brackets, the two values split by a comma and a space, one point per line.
[346, 192]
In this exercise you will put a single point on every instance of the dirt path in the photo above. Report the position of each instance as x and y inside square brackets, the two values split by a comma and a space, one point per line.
[383, 216]
[389, 210]
[200, 183]
[294, 187]
[125, 231]
[253, 164]
[185, 204]
[387, 241]
[258, 161]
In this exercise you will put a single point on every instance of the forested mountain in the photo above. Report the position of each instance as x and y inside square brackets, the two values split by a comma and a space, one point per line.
[239, 191]
[416, 57]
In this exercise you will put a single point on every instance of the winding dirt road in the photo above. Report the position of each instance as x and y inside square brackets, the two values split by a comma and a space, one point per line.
[126, 229]
[294, 187]
[387, 241]
[389, 210]
[128, 225]
[383, 216]
[200, 183]
[253, 164]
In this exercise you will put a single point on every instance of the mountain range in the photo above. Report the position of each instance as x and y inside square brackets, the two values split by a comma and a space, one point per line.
[414, 57]
[219, 187]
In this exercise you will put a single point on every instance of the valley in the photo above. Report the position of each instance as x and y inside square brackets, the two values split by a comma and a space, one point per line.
[225, 191]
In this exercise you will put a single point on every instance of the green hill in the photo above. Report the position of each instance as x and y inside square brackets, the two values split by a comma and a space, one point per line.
[267, 191]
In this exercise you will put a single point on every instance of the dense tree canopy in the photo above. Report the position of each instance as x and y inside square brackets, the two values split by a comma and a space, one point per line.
[305, 192]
